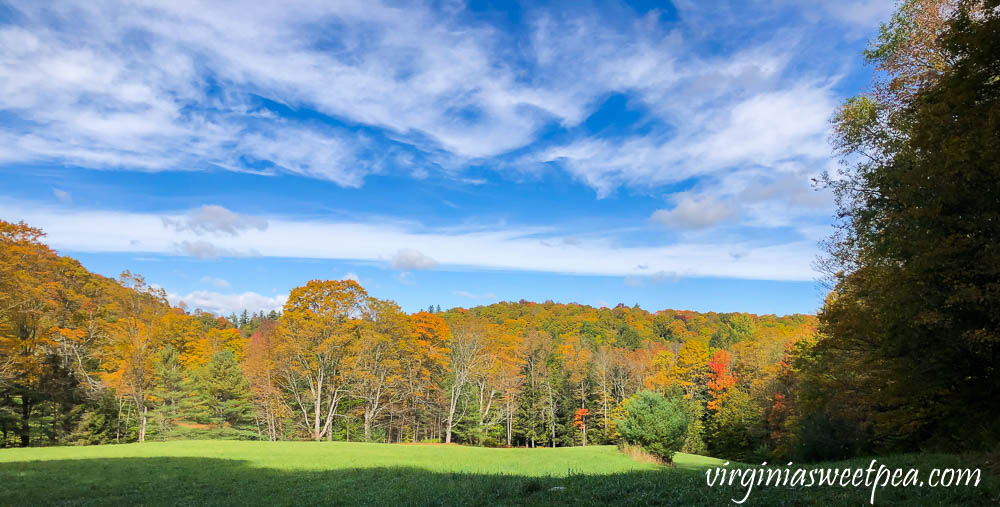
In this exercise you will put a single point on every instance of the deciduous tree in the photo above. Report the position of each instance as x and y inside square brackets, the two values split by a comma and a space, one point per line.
[320, 323]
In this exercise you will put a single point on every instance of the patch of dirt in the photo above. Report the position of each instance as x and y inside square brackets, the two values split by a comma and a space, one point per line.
[195, 426]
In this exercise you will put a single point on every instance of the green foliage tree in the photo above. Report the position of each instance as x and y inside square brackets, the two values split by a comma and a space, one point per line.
[736, 427]
[694, 436]
[913, 324]
[665, 328]
[223, 391]
[735, 328]
[170, 392]
[655, 423]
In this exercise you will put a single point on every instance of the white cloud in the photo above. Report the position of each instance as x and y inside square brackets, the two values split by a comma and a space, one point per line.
[214, 219]
[409, 259]
[317, 155]
[864, 13]
[218, 283]
[487, 248]
[406, 278]
[350, 275]
[653, 279]
[793, 188]
[130, 90]
[207, 250]
[62, 195]
[694, 212]
[767, 129]
[225, 304]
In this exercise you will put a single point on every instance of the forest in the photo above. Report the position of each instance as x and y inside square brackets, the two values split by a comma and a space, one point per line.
[90, 359]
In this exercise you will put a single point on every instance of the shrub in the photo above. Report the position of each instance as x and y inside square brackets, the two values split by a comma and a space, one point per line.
[657, 424]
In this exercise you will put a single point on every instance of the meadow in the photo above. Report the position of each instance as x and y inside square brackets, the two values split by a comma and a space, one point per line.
[341, 473]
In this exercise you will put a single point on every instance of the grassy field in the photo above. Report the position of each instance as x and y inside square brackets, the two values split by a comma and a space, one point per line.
[310, 473]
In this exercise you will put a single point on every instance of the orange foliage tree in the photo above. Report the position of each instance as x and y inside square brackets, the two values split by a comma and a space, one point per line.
[720, 378]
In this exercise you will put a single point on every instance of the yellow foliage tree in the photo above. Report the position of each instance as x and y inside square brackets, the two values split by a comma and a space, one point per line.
[321, 322]
[690, 370]
[135, 340]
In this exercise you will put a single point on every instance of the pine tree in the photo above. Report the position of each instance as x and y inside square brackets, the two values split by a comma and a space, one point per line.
[223, 393]
[170, 392]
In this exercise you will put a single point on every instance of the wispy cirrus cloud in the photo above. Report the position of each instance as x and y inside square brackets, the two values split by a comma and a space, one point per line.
[218, 283]
[650, 279]
[195, 85]
[207, 250]
[172, 86]
[509, 248]
[761, 131]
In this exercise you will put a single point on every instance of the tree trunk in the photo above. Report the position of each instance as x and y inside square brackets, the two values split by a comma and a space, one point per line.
[510, 418]
[451, 416]
[25, 417]
[605, 412]
[318, 407]
[128, 420]
[142, 423]
[552, 424]
[552, 415]
[55, 422]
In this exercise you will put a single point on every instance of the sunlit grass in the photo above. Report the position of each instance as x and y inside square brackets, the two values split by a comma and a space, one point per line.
[310, 473]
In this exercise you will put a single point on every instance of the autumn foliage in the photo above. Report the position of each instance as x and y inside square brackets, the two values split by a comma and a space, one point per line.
[92, 359]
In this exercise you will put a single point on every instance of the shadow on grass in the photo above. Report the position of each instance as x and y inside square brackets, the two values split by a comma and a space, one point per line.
[211, 481]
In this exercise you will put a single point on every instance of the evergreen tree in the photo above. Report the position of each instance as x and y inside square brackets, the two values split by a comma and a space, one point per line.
[223, 391]
[170, 392]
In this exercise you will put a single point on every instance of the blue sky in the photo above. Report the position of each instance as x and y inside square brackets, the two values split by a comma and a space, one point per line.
[444, 153]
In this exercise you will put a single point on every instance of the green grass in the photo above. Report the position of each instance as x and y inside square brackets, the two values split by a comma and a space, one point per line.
[311, 473]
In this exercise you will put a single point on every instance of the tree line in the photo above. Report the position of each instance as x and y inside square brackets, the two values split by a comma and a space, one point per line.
[88, 359]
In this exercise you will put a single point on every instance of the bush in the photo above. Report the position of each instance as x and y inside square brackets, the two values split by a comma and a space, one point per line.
[657, 424]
